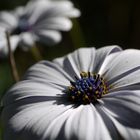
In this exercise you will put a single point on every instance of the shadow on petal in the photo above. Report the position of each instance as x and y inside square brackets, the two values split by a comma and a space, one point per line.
[124, 88]
[109, 124]
[62, 134]
[126, 110]
[118, 77]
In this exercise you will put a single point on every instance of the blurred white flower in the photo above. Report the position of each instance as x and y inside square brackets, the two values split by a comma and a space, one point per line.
[39, 20]
[45, 105]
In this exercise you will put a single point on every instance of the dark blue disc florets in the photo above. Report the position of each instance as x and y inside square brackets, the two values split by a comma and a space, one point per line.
[87, 89]
[23, 26]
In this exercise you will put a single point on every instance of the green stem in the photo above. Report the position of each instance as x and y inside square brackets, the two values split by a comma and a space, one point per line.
[12, 59]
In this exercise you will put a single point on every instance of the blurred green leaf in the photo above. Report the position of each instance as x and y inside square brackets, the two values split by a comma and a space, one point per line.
[5, 77]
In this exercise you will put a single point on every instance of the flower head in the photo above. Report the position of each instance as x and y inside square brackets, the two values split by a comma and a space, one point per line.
[39, 20]
[88, 94]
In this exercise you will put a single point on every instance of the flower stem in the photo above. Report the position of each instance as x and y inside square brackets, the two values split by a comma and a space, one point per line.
[12, 59]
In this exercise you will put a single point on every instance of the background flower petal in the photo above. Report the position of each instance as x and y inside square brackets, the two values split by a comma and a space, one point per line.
[27, 39]
[55, 23]
[14, 40]
[50, 9]
[8, 19]
[18, 11]
[49, 37]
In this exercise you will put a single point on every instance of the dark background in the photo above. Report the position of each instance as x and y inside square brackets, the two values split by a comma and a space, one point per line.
[104, 22]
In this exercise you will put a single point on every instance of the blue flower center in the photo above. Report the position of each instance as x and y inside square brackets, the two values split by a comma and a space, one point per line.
[23, 26]
[87, 89]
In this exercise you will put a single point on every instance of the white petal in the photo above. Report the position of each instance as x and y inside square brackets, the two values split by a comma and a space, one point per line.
[122, 64]
[5, 27]
[9, 19]
[127, 81]
[55, 129]
[86, 124]
[56, 23]
[48, 72]
[34, 118]
[62, 8]
[113, 132]
[72, 13]
[27, 39]
[104, 67]
[78, 61]
[30, 92]
[35, 9]
[40, 10]
[101, 55]
[14, 40]
[40, 81]
[49, 37]
[124, 109]
[19, 11]
[84, 58]
[126, 132]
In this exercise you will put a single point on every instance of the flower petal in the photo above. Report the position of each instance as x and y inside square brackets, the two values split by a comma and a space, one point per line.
[130, 81]
[14, 40]
[34, 9]
[42, 80]
[19, 120]
[48, 72]
[56, 23]
[27, 39]
[9, 19]
[108, 122]
[123, 107]
[121, 65]
[101, 55]
[62, 8]
[33, 92]
[50, 8]
[56, 9]
[86, 124]
[56, 127]
[19, 11]
[49, 37]
[78, 61]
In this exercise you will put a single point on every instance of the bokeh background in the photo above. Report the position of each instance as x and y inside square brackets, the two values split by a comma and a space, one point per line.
[103, 22]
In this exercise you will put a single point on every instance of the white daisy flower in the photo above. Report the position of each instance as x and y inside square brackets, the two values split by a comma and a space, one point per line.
[39, 20]
[87, 95]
